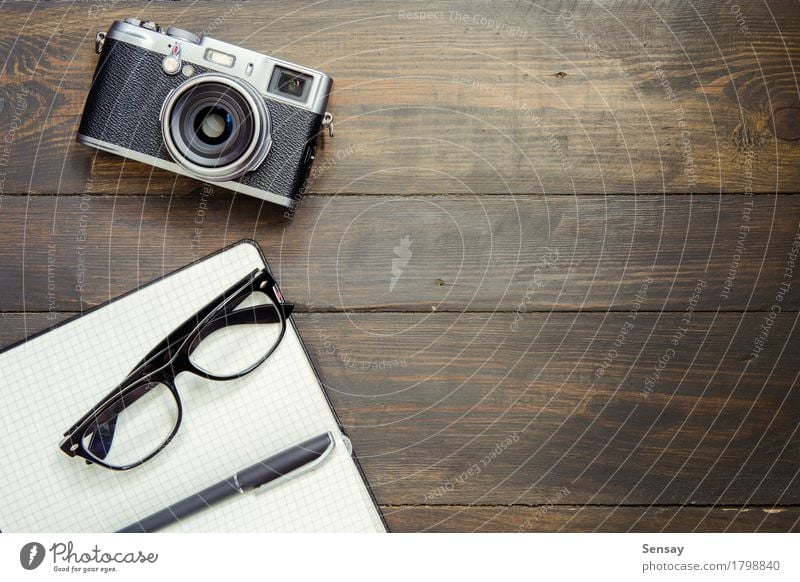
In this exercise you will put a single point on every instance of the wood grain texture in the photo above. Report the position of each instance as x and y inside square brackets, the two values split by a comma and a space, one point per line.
[500, 97]
[453, 387]
[458, 409]
[475, 253]
[544, 359]
[591, 519]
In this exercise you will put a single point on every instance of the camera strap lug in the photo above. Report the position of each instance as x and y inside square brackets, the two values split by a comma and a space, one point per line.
[99, 41]
[327, 121]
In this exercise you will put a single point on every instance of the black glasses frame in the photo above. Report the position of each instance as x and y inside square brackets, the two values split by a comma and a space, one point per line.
[171, 357]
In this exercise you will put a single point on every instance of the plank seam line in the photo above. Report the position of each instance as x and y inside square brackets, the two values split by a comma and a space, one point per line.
[301, 310]
[593, 505]
[764, 193]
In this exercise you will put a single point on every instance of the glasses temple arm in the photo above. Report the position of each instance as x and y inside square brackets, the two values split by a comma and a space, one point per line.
[175, 339]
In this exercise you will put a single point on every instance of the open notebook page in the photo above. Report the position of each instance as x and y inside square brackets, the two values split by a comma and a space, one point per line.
[49, 382]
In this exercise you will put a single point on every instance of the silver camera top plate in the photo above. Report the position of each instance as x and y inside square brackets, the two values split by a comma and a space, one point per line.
[253, 67]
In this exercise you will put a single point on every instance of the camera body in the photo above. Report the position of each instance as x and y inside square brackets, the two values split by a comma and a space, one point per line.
[207, 109]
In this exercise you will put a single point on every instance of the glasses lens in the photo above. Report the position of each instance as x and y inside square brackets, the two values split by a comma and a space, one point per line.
[239, 339]
[134, 427]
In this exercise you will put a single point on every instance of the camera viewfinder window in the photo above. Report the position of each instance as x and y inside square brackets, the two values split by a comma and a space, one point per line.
[290, 84]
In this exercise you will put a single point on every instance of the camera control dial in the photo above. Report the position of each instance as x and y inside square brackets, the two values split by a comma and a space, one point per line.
[182, 34]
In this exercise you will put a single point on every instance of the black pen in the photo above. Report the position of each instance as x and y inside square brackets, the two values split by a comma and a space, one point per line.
[300, 458]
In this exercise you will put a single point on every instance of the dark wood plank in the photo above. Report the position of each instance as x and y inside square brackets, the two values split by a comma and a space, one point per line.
[476, 253]
[15, 327]
[460, 409]
[428, 397]
[591, 519]
[567, 97]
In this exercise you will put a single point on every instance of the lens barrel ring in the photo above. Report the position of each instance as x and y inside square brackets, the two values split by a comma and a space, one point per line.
[250, 136]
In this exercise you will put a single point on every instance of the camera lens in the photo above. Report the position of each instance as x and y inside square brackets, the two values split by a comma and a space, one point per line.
[216, 127]
[213, 125]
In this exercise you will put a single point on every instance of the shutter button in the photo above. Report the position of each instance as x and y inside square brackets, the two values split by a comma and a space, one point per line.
[172, 62]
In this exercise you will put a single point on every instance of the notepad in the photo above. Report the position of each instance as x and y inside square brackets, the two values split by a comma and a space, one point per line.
[51, 380]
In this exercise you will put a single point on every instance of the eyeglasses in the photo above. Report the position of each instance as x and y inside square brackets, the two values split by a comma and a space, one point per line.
[227, 339]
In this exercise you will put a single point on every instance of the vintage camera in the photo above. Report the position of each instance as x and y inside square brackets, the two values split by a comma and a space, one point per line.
[207, 109]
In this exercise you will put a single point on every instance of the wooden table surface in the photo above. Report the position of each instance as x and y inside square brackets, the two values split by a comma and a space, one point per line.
[547, 265]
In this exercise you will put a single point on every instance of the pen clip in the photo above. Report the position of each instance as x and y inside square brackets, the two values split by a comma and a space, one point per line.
[308, 467]
[348, 445]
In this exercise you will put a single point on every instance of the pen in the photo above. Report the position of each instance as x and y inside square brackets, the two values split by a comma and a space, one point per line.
[290, 462]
